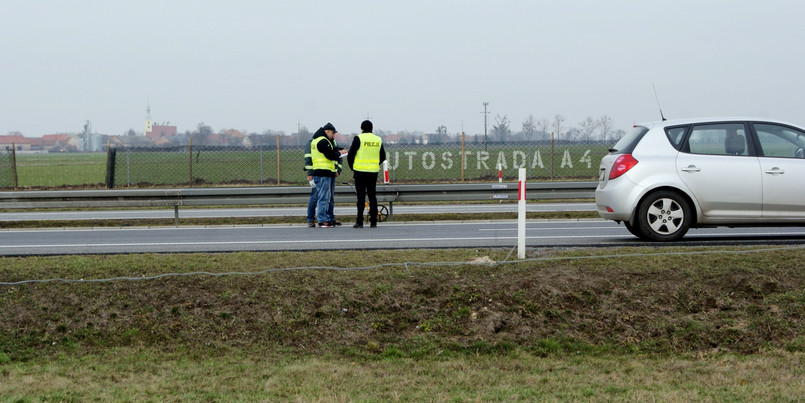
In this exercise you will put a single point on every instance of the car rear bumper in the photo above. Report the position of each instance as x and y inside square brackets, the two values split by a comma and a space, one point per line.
[616, 199]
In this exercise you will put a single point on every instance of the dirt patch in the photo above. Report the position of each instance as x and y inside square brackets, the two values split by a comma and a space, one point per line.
[671, 304]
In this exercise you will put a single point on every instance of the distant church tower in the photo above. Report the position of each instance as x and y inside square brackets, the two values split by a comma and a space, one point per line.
[148, 125]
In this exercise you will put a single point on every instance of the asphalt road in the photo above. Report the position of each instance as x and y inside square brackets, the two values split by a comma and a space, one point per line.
[340, 211]
[481, 234]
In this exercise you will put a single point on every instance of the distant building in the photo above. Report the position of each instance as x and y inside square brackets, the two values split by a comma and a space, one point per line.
[158, 131]
[20, 143]
[130, 141]
[392, 138]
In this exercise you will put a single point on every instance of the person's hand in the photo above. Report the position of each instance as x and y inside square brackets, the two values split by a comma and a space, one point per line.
[342, 151]
[309, 178]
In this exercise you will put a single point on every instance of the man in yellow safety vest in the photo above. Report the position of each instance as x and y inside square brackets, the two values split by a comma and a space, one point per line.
[364, 157]
[325, 155]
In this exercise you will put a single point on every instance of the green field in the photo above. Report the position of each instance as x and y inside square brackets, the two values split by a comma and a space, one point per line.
[217, 166]
[61, 169]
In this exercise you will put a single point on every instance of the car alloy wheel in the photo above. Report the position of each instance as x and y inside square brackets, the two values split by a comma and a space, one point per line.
[664, 216]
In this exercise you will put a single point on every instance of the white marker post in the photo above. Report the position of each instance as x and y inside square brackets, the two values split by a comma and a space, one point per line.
[386, 172]
[500, 174]
[521, 215]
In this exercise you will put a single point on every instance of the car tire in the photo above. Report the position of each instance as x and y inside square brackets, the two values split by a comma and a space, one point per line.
[663, 216]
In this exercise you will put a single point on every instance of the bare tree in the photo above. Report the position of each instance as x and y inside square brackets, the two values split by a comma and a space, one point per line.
[529, 127]
[605, 127]
[501, 127]
[588, 126]
[558, 121]
[543, 125]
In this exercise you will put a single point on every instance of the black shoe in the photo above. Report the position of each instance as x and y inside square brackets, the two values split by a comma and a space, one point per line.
[357, 226]
[311, 224]
[336, 223]
[373, 225]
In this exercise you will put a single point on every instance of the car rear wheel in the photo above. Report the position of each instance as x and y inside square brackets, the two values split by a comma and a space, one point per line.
[663, 216]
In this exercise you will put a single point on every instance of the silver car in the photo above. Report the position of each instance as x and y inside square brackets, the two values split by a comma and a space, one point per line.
[663, 178]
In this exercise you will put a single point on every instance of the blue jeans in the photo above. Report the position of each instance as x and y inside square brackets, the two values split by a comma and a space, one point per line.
[311, 204]
[325, 186]
[314, 198]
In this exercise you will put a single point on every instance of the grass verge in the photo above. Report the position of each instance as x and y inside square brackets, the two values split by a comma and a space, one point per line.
[626, 324]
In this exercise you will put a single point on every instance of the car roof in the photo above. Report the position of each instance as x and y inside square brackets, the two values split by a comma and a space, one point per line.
[679, 122]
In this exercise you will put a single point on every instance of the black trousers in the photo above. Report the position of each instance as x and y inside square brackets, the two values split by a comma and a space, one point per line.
[366, 186]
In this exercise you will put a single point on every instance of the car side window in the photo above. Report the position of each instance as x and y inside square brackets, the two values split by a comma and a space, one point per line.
[676, 135]
[718, 139]
[780, 141]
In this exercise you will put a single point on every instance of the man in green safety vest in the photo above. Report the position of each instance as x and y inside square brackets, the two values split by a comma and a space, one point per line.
[324, 157]
[365, 156]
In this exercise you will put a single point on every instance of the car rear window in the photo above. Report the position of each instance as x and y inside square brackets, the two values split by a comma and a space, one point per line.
[628, 142]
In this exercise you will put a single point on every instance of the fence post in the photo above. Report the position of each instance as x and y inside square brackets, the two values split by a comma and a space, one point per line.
[111, 156]
[191, 161]
[278, 159]
[260, 152]
[463, 156]
[551, 155]
[14, 164]
[128, 166]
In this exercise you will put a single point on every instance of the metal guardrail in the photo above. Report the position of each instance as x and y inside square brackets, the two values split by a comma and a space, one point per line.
[286, 195]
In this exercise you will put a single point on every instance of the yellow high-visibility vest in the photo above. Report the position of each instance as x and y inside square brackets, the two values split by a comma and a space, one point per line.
[319, 160]
[367, 159]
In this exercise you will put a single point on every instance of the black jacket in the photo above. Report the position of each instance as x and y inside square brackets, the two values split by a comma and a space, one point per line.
[353, 150]
[326, 147]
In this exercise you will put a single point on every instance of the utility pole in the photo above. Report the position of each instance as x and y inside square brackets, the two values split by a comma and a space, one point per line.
[485, 115]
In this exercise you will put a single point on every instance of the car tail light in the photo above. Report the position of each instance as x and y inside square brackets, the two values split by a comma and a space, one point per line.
[622, 164]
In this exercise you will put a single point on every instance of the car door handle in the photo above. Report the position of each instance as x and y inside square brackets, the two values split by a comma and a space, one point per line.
[691, 168]
[775, 171]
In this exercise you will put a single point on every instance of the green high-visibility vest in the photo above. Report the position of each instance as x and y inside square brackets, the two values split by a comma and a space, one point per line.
[319, 160]
[367, 159]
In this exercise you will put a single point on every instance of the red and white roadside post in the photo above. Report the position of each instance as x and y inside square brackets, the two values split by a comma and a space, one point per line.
[521, 215]
[386, 172]
[500, 174]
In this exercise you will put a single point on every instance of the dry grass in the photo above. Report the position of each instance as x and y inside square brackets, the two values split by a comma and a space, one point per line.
[149, 374]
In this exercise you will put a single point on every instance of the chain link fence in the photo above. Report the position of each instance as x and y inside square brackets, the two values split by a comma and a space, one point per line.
[264, 165]
[8, 173]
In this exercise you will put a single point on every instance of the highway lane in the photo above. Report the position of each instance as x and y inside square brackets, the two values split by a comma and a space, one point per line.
[340, 211]
[469, 234]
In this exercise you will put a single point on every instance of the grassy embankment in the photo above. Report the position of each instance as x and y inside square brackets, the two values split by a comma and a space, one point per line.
[643, 324]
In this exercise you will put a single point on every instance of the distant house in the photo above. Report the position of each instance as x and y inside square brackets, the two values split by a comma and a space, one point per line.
[159, 131]
[160, 135]
[392, 138]
[55, 142]
[20, 143]
[130, 141]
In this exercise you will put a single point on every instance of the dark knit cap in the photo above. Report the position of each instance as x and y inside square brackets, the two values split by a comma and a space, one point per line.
[366, 126]
[329, 126]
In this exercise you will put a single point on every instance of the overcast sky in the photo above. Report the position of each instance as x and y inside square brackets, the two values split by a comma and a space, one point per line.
[409, 65]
